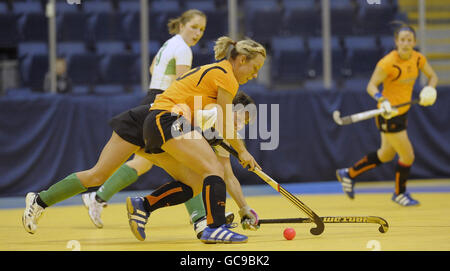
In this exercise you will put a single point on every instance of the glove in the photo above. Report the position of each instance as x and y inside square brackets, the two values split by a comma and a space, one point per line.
[427, 96]
[386, 106]
[249, 218]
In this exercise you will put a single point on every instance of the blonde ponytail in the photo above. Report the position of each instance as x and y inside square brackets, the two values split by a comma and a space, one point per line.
[246, 47]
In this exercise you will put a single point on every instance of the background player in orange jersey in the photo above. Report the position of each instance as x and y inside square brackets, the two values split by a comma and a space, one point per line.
[397, 71]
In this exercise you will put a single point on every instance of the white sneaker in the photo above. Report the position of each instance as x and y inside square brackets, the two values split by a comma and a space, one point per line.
[201, 225]
[94, 207]
[32, 213]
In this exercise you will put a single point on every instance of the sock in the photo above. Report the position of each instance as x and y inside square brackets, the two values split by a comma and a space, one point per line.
[64, 189]
[214, 199]
[367, 162]
[195, 207]
[401, 176]
[169, 194]
[123, 177]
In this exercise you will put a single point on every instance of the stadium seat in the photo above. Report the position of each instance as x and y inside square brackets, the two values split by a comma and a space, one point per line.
[27, 7]
[105, 26]
[374, 19]
[301, 17]
[81, 90]
[387, 44]
[363, 54]
[19, 92]
[217, 19]
[129, 6]
[153, 47]
[357, 83]
[289, 53]
[316, 84]
[95, 7]
[342, 17]
[160, 13]
[262, 19]
[203, 53]
[33, 69]
[83, 68]
[33, 27]
[110, 47]
[63, 7]
[25, 49]
[3, 8]
[339, 63]
[8, 28]
[66, 49]
[119, 68]
[72, 26]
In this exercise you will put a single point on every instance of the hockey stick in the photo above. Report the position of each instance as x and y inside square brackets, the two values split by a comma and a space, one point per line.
[293, 199]
[384, 226]
[364, 115]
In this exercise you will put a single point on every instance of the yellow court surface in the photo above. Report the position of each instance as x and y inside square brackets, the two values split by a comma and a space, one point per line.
[64, 228]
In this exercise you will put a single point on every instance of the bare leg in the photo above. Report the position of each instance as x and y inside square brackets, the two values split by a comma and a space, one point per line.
[114, 154]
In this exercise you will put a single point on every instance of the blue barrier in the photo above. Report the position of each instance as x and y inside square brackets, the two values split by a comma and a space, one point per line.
[45, 137]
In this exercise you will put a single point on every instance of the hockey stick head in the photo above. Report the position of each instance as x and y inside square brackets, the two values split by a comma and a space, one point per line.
[384, 226]
[319, 226]
[337, 117]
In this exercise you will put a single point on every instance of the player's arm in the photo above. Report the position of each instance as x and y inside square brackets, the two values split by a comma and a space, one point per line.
[430, 74]
[152, 66]
[226, 128]
[182, 69]
[376, 79]
[428, 94]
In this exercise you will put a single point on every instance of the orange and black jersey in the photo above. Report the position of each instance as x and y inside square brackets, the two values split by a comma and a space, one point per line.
[401, 76]
[197, 88]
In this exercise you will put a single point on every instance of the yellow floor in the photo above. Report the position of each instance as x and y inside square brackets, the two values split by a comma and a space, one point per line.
[426, 227]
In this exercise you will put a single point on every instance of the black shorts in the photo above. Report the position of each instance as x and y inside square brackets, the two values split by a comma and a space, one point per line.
[128, 124]
[151, 95]
[393, 125]
[161, 126]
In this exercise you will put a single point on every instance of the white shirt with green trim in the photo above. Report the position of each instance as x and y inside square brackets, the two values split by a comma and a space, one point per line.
[174, 51]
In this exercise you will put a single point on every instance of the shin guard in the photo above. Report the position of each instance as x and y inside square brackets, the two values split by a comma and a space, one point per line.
[366, 163]
[214, 198]
[169, 194]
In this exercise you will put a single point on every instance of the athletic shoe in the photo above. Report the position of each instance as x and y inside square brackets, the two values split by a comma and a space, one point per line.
[94, 207]
[200, 224]
[347, 183]
[222, 235]
[404, 199]
[137, 216]
[32, 213]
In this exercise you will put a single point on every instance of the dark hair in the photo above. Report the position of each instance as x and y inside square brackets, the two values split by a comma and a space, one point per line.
[402, 26]
[242, 98]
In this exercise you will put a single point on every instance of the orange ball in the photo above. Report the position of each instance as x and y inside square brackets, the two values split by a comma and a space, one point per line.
[289, 233]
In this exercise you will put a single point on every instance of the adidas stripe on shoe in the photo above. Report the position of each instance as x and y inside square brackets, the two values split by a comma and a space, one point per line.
[222, 235]
[347, 183]
[404, 199]
[137, 216]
